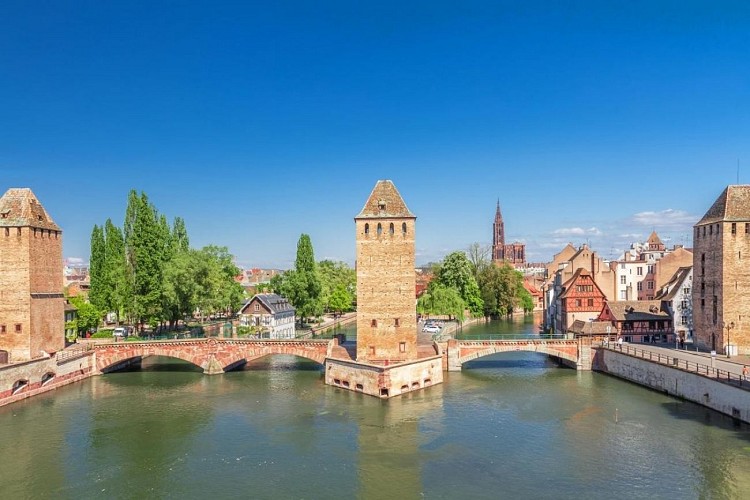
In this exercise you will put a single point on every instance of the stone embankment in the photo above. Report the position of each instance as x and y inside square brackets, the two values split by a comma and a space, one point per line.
[678, 374]
[22, 380]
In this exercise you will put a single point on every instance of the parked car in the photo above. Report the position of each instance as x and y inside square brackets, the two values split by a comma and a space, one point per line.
[120, 332]
[431, 329]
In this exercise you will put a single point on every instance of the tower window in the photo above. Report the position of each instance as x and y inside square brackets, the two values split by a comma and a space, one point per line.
[380, 229]
[18, 231]
[3, 329]
[367, 229]
[747, 227]
[734, 228]
[403, 227]
[402, 347]
[372, 350]
[390, 229]
[7, 231]
[396, 322]
[374, 323]
[18, 327]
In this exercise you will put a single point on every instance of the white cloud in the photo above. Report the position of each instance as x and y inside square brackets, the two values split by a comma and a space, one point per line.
[577, 231]
[668, 218]
[74, 261]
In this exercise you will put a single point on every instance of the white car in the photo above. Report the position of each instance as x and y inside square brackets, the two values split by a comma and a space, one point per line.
[119, 332]
[431, 329]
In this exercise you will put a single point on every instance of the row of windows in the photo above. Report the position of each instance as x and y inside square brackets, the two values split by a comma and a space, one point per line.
[589, 302]
[391, 228]
[584, 288]
[37, 232]
[373, 351]
[701, 231]
[4, 329]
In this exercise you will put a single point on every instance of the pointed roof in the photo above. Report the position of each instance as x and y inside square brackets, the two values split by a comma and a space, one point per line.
[733, 204]
[498, 214]
[654, 239]
[385, 202]
[670, 289]
[637, 310]
[19, 207]
[579, 273]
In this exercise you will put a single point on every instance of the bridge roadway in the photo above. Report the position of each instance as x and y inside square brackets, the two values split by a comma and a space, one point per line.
[217, 355]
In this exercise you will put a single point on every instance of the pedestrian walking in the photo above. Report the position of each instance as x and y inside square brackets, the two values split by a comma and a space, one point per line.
[745, 372]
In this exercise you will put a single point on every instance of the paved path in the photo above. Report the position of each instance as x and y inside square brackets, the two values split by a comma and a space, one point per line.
[721, 362]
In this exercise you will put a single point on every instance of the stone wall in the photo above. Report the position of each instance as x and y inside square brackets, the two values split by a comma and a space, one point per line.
[718, 396]
[15, 298]
[384, 381]
[721, 268]
[42, 375]
[386, 283]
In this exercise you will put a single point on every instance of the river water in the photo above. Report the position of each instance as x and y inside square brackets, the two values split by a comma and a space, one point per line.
[513, 425]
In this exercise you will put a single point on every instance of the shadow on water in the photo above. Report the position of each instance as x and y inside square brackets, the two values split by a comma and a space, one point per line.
[687, 410]
[281, 362]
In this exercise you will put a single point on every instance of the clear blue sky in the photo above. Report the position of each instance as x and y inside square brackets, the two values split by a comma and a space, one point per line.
[593, 121]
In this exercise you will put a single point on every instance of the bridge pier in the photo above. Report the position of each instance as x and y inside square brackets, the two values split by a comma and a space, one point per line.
[213, 367]
[454, 356]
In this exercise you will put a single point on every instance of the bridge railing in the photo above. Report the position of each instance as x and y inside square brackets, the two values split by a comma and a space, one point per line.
[701, 369]
[71, 353]
[490, 336]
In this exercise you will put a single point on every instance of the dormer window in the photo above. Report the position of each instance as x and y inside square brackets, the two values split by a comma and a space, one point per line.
[39, 217]
[381, 205]
[4, 213]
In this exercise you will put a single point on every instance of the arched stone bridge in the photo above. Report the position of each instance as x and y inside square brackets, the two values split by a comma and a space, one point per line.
[574, 353]
[213, 355]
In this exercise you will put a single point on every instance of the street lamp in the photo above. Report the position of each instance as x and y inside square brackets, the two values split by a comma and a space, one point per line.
[728, 326]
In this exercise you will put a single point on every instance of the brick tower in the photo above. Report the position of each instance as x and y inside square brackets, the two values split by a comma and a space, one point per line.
[386, 308]
[721, 275]
[31, 278]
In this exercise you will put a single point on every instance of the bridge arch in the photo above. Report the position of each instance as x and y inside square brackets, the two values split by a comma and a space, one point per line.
[502, 349]
[566, 350]
[109, 359]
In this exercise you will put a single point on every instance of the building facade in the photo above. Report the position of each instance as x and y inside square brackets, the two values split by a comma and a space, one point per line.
[580, 299]
[677, 296]
[271, 314]
[386, 307]
[639, 320]
[31, 278]
[721, 274]
[513, 253]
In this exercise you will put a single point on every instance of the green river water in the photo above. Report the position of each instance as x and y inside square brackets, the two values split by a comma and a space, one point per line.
[509, 426]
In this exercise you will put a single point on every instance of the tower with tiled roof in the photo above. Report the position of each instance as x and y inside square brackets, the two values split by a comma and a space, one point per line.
[721, 273]
[31, 278]
[386, 308]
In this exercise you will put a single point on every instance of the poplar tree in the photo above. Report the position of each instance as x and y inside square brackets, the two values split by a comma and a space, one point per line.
[302, 285]
[116, 268]
[97, 270]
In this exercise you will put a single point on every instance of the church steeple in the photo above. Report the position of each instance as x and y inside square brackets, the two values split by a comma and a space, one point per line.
[498, 235]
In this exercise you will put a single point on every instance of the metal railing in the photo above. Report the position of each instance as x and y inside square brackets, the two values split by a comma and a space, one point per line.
[701, 369]
[491, 336]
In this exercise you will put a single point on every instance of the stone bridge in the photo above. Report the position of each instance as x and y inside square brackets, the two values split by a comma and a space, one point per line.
[574, 353]
[213, 355]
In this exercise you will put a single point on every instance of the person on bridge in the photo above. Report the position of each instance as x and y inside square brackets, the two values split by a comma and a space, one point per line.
[745, 372]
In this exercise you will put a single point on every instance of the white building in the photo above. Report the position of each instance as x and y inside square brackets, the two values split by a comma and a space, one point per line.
[272, 315]
[677, 294]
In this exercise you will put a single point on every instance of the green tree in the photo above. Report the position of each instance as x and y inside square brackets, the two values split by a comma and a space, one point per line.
[180, 286]
[302, 287]
[88, 315]
[340, 300]
[456, 272]
[100, 289]
[441, 300]
[334, 275]
[502, 290]
[116, 268]
[180, 239]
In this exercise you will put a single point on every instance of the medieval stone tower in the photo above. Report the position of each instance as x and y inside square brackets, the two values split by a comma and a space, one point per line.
[386, 307]
[31, 278]
[721, 273]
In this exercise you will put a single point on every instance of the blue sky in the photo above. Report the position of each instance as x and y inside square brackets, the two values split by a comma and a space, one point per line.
[590, 121]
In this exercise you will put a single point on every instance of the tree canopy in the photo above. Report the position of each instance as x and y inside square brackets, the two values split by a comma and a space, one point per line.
[456, 272]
